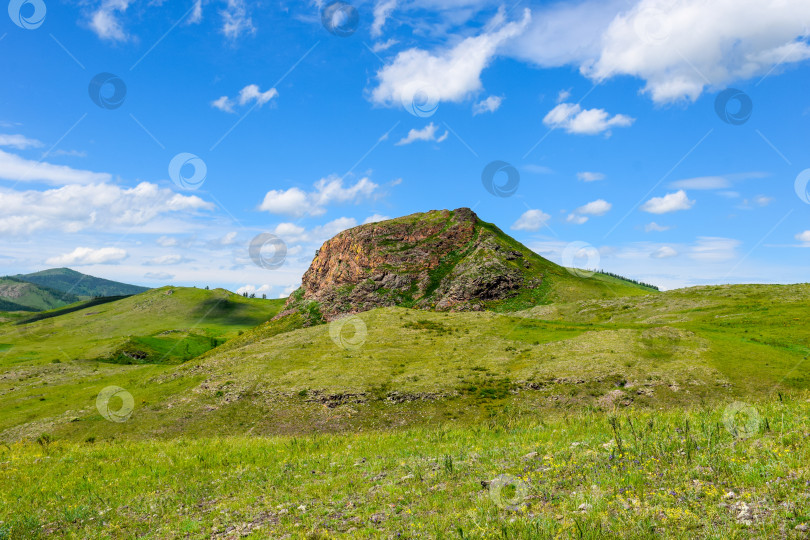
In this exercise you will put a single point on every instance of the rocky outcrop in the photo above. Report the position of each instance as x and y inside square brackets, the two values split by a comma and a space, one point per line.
[445, 260]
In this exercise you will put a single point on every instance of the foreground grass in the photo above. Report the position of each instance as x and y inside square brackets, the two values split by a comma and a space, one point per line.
[633, 474]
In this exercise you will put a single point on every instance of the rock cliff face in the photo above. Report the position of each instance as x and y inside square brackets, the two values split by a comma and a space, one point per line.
[444, 260]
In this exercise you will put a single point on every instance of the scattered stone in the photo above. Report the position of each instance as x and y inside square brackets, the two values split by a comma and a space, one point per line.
[585, 507]
[530, 455]
[745, 515]
[730, 495]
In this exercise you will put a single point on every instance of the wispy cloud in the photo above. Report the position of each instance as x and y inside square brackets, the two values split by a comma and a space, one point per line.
[19, 169]
[586, 176]
[490, 104]
[105, 20]
[428, 133]
[236, 20]
[20, 142]
[655, 227]
[248, 94]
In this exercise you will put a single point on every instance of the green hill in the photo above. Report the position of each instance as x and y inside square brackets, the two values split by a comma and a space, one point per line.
[17, 294]
[78, 284]
[56, 288]
[398, 366]
[166, 325]
[5, 305]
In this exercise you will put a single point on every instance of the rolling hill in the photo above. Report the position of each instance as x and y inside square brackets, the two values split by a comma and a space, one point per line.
[396, 367]
[78, 284]
[55, 288]
[165, 325]
[17, 294]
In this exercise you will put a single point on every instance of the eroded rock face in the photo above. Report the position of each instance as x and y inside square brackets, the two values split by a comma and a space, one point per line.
[439, 260]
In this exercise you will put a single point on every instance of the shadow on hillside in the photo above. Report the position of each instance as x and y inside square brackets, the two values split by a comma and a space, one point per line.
[227, 312]
[71, 308]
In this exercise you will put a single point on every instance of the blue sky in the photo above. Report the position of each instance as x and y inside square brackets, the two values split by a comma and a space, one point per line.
[666, 137]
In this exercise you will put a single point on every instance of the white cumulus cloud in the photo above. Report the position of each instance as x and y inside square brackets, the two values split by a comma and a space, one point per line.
[531, 220]
[100, 207]
[375, 218]
[86, 255]
[681, 47]
[574, 119]
[598, 207]
[330, 190]
[670, 202]
[105, 20]
[452, 74]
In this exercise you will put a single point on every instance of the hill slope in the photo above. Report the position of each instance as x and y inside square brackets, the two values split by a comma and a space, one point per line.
[405, 367]
[17, 294]
[78, 284]
[443, 260]
[165, 325]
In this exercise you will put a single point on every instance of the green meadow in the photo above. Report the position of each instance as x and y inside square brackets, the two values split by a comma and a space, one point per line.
[682, 414]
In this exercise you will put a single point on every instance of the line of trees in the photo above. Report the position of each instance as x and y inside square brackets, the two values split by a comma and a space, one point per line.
[617, 276]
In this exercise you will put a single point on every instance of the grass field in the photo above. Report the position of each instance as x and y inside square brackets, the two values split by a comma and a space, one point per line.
[396, 422]
[696, 473]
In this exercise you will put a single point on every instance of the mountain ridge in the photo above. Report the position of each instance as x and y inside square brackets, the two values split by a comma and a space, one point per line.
[56, 288]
